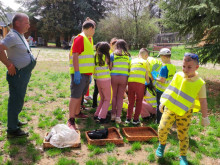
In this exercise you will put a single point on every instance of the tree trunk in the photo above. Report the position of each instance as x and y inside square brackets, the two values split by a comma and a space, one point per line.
[58, 43]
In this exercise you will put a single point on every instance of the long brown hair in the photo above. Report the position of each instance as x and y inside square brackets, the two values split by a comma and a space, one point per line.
[102, 48]
[121, 48]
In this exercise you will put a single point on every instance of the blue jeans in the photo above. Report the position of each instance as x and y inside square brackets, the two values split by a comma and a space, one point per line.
[159, 114]
[17, 90]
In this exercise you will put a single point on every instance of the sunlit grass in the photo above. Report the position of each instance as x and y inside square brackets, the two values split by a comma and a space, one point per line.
[46, 104]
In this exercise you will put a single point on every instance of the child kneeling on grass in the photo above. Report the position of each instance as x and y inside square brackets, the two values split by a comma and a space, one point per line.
[149, 103]
[185, 95]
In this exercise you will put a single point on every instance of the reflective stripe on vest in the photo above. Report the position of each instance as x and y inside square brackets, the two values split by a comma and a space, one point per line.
[120, 64]
[120, 69]
[141, 69]
[137, 71]
[137, 76]
[102, 74]
[171, 71]
[155, 64]
[152, 101]
[101, 68]
[86, 58]
[101, 71]
[182, 94]
[150, 98]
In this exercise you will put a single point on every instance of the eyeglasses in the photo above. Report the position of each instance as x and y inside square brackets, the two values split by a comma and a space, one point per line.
[192, 55]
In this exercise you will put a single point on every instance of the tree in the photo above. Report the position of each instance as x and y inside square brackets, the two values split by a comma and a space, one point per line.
[129, 20]
[199, 18]
[64, 16]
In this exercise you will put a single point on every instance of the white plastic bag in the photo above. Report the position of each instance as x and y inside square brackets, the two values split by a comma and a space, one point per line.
[63, 136]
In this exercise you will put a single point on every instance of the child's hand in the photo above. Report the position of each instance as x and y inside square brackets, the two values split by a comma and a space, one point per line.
[161, 107]
[205, 121]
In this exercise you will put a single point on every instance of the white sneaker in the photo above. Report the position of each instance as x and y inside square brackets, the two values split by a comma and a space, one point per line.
[118, 120]
[113, 116]
[127, 121]
[136, 122]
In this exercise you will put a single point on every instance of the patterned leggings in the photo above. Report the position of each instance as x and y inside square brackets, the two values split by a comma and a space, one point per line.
[182, 123]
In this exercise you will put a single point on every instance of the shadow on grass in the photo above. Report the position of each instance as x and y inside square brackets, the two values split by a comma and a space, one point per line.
[213, 88]
[22, 150]
[162, 161]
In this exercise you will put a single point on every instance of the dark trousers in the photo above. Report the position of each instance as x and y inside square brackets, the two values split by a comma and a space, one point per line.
[159, 114]
[95, 94]
[17, 89]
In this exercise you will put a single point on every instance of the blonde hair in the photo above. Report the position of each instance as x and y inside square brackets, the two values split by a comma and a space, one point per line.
[143, 51]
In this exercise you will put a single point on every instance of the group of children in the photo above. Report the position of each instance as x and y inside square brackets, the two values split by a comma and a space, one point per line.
[117, 71]
[151, 84]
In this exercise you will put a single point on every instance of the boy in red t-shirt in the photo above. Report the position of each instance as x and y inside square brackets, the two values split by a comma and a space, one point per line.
[79, 81]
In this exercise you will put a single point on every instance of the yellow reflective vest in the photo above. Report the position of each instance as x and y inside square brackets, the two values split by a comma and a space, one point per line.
[150, 98]
[121, 64]
[171, 71]
[101, 71]
[155, 64]
[110, 51]
[138, 70]
[86, 58]
[182, 94]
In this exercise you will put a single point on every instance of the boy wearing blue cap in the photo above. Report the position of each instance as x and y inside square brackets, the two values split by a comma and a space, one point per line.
[185, 94]
[164, 78]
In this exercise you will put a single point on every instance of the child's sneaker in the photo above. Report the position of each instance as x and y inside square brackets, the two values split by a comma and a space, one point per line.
[101, 121]
[82, 107]
[160, 150]
[136, 122]
[71, 123]
[127, 121]
[118, 120]
[113, 116]
[183, 160]
[95, 117]
[88, 98]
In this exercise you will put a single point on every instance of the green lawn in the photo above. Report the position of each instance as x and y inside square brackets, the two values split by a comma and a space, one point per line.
[46, 104]
[177, 52]
[60, 54]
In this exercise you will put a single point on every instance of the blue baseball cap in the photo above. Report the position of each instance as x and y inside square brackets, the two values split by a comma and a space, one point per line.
[192, 55]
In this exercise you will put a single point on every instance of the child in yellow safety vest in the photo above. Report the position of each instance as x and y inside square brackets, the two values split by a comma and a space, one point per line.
[185, 94]
[95, 93]
[103, 80]
[166, 74]
[149, 103]
[120, 63]
[136, 86]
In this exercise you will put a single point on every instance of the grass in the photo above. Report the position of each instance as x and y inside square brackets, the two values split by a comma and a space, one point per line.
[129, 152]
[46, 104]
[177, 52]
[95, 162]
[95, 150]
[113, 160]
[65, 161]
[151, 157]
[136, 146]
